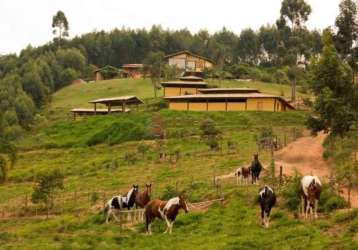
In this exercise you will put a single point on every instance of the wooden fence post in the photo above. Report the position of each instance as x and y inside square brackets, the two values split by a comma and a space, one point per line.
[281, 172]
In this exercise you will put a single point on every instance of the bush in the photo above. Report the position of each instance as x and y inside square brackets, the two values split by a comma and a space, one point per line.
[291, 193]
[130, 157]
[330, 200]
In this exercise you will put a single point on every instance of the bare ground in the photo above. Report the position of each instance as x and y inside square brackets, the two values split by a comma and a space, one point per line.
[305, 156]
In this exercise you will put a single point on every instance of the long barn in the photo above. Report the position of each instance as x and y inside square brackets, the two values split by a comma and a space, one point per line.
[229, 102]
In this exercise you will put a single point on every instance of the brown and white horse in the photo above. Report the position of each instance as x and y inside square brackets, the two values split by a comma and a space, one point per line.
[243, 175]
[144, 197]
[311, 188]
[165, 210]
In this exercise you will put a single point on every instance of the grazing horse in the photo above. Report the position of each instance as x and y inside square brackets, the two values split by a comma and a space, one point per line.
[144, 197]
[120, 202]
[243, 174]
[311, 188]
[256, 168]
[267, 201]
[165, 210]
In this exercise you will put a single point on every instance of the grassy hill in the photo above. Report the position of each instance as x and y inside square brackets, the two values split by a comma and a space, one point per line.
[99, 158]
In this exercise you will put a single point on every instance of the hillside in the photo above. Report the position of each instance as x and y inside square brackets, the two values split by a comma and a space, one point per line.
[99, 158]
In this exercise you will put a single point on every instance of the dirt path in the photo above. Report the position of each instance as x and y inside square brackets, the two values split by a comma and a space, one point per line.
[305, 156]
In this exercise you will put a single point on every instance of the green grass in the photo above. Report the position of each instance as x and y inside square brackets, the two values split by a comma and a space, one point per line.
[91, 154]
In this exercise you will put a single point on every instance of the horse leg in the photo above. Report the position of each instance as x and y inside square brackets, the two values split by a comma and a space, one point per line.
[262, 217]
[315, 209]
[171, 227]
[115, 216]
[302, 206]
[168, 224]
[108, 214]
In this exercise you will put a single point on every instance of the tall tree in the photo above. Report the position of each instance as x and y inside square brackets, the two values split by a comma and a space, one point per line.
[60, 25]
[335, 108]
[347, 34]
[296, 11]
[153, 66]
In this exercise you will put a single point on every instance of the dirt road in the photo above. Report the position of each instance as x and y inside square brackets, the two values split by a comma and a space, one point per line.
[305, 156]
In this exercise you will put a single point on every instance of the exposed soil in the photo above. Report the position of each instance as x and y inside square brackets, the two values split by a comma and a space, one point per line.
[305, 156]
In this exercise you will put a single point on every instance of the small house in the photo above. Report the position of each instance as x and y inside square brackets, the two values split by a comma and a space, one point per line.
[134, 71]
[189, 62]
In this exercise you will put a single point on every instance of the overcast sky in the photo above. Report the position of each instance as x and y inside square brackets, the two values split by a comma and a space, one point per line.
[25, 22]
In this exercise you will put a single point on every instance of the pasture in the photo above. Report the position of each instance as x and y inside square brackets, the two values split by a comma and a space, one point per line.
[99, 158]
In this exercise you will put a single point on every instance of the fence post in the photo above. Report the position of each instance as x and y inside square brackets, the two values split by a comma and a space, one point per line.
[281, 171]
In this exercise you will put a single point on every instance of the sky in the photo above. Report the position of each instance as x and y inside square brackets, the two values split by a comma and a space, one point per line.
[24, 22]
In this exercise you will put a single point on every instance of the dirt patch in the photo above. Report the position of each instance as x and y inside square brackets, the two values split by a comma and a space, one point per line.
[305, 156]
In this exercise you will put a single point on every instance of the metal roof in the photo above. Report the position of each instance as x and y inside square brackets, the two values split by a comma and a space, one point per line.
[119, 100]
[229, 90]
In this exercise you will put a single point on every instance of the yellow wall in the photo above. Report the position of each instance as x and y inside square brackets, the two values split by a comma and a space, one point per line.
[261, 104]
[178, 105]
[188, 91]
[236, 106]
[216, 106]
[196, 106]
[170, 91]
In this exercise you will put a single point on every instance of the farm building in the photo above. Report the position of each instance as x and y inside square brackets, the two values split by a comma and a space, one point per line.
[134, 71]
[228, 90]
[106, 72]
[189, 62]
[178, 88]
[229, 102]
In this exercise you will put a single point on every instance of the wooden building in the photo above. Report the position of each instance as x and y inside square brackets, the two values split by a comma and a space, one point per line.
[119, 104]
[134, 71]
[178, 88]
[189, 62]
[229, 102]
[98, 75]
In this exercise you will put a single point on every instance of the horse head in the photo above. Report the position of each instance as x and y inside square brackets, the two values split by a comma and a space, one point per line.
[183, 204]
[312, 191]
[149, 188]
[256, 157]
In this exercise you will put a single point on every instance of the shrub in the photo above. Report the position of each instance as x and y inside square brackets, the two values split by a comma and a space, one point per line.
[330, 200]
[291, 193]
[130, 157]
[354, 226]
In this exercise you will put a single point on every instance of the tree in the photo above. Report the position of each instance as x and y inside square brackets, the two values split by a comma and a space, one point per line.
[210, 133]
[347, 25]
[3, 170]
[47, 183]
[60, 25]
[296, 11]
[347, 34]
[335, 108]
[153, 65]
[248, 46]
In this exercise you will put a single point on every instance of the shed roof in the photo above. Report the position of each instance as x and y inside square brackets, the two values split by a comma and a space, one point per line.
[225, 96]
[191, 78]
[184, 84]
[118, 100]
[228, 90]
[189, 53]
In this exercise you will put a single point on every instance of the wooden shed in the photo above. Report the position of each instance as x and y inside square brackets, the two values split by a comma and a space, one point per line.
[188, 61]
[177, 88]
[113, 105]
[229, 102]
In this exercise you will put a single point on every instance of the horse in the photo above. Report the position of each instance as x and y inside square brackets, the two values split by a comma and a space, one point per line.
[144, 197]
[311, 188]
[120, 202]
[242, 174]
[267, 200]
[256, 168]
[165, 210]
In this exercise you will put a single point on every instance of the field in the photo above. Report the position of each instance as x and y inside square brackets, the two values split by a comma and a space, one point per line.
[99, 157]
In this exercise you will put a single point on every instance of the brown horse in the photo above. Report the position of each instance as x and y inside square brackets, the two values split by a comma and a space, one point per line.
[243, 175]
[143, 198]
[165, 210]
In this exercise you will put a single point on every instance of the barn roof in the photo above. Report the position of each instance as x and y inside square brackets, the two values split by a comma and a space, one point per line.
[225, 96]
[189, 53]
[118, 100]
[228, 90]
